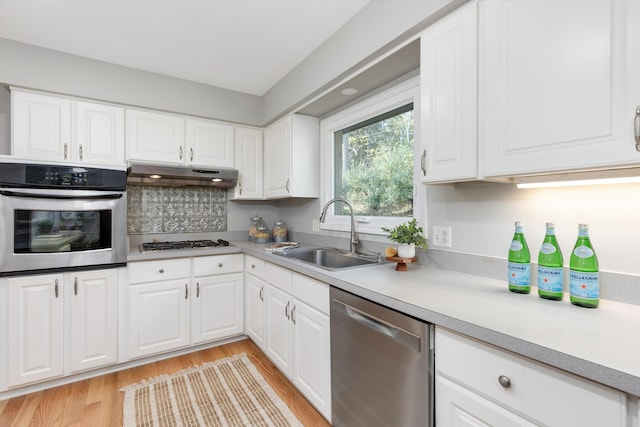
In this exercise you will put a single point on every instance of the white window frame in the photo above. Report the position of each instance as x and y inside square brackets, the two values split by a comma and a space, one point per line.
[401, 94]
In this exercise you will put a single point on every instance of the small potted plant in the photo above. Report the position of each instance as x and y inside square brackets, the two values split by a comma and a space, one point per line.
[407, 236]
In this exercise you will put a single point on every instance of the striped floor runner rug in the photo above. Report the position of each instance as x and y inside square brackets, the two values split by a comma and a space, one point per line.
[226, 392]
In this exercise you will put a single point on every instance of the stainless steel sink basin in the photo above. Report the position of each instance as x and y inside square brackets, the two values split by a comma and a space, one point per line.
[330, 258]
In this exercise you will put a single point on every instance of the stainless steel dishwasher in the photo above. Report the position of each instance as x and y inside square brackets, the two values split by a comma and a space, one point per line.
[381, 365]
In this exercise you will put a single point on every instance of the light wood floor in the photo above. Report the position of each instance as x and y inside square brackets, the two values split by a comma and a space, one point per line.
[98, 401]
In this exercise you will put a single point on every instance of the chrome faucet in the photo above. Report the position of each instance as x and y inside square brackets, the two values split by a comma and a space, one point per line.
[354, 237]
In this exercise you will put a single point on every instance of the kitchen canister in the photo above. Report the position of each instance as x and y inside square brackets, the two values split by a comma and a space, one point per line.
[254, 223]
[263, 235]
[279, 231]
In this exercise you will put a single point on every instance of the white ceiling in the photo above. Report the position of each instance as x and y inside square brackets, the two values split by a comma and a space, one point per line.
[242, 45]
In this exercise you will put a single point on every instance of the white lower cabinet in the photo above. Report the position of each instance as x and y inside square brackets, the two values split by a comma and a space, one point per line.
[93, 321]
[478, 384]
[158, 317]
[44, 309]
[217, 302]
[174, 305]
[288, 318]
[35, 329]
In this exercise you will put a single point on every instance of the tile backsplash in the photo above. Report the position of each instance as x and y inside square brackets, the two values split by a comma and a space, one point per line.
[152, 209]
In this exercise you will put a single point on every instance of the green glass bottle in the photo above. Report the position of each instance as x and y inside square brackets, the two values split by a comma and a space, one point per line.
[519, 263]
[584, 281]
[550, 271]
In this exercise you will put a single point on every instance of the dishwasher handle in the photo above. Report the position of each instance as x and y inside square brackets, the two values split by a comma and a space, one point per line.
[396, 333]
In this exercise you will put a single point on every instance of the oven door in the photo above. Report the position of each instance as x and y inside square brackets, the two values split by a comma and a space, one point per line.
[61, 230]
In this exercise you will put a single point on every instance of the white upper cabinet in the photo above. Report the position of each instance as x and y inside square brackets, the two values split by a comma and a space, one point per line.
[47, 127]
[448, 75]
[155, 137]
[558, 85]
[292, 157]
[248, 161]
[209, 143]
[169, 138]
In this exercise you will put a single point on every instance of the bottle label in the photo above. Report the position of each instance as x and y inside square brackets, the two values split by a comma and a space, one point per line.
[583, 252]
[515, 246]
[547, 248]
[519, 274]
[550, 279]
[584, 285]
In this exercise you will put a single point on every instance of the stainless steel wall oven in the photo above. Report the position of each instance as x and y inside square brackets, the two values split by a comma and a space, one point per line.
[61, 217]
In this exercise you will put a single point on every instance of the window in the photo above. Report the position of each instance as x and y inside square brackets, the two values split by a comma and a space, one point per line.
[369, 149]
[374, 165]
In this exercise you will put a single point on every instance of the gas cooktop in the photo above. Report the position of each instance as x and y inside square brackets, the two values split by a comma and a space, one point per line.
[183, 244]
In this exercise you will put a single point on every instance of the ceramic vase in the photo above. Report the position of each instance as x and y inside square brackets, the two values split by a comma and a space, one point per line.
[406, 250]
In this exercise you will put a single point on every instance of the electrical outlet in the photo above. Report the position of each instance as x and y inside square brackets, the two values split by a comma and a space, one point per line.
[442, 236]
[315, 225]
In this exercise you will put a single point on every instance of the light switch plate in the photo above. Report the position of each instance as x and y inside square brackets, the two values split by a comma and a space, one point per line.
[441, 236]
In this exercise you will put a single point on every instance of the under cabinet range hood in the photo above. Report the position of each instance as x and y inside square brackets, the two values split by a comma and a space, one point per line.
[181, 176]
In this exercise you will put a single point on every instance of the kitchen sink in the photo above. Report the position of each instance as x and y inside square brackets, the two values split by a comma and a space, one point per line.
[331, 258]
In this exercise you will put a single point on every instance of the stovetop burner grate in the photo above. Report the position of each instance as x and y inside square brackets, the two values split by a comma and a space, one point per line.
[183, 244]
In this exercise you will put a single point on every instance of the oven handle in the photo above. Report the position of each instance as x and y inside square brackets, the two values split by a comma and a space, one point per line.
[107, 196]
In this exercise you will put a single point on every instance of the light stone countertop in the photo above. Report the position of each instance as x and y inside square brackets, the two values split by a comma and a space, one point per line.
[600, 344]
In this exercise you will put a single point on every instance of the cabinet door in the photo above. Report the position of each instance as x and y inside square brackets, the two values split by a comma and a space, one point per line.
[209, 143]
[35, 333]
[99, 133]
[248, 161]
[277, 158]
[458, 406]
[217, 307]
[312, 355]
[155, 137]
[40, 126]
[279, 329]
[557, 85]
[448, 64]
[158, 317]
[254, 311]
[93, 325]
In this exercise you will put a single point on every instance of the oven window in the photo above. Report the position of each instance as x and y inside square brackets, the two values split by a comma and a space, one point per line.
[61, 231]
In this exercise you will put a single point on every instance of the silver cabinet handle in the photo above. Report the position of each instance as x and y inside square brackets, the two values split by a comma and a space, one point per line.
[55, 288]
[75, 286]
[262, 293]
[504, 381]
[66, 150]
[293, 310]
[161, 271]
[181, 152]
[423, 163]
[197, 289]
[286, 185]
[191, 154]
[636, 128]
[240, 188]
[286, 310]
[80, 151]
[186, 291]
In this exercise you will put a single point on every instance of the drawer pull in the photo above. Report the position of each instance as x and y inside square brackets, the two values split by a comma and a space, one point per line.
[220, 265]
[504, 381]
[161, 271]
[253, 266]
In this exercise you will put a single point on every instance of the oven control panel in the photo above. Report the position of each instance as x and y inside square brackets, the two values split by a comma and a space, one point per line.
[61, 176]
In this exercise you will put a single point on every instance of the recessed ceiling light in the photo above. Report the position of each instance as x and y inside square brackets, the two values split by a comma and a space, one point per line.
[348, 91]
[155, 176]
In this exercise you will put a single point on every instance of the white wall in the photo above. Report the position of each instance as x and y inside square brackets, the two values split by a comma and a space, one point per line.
[44, 69]
[482, 215]
[380, 25]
